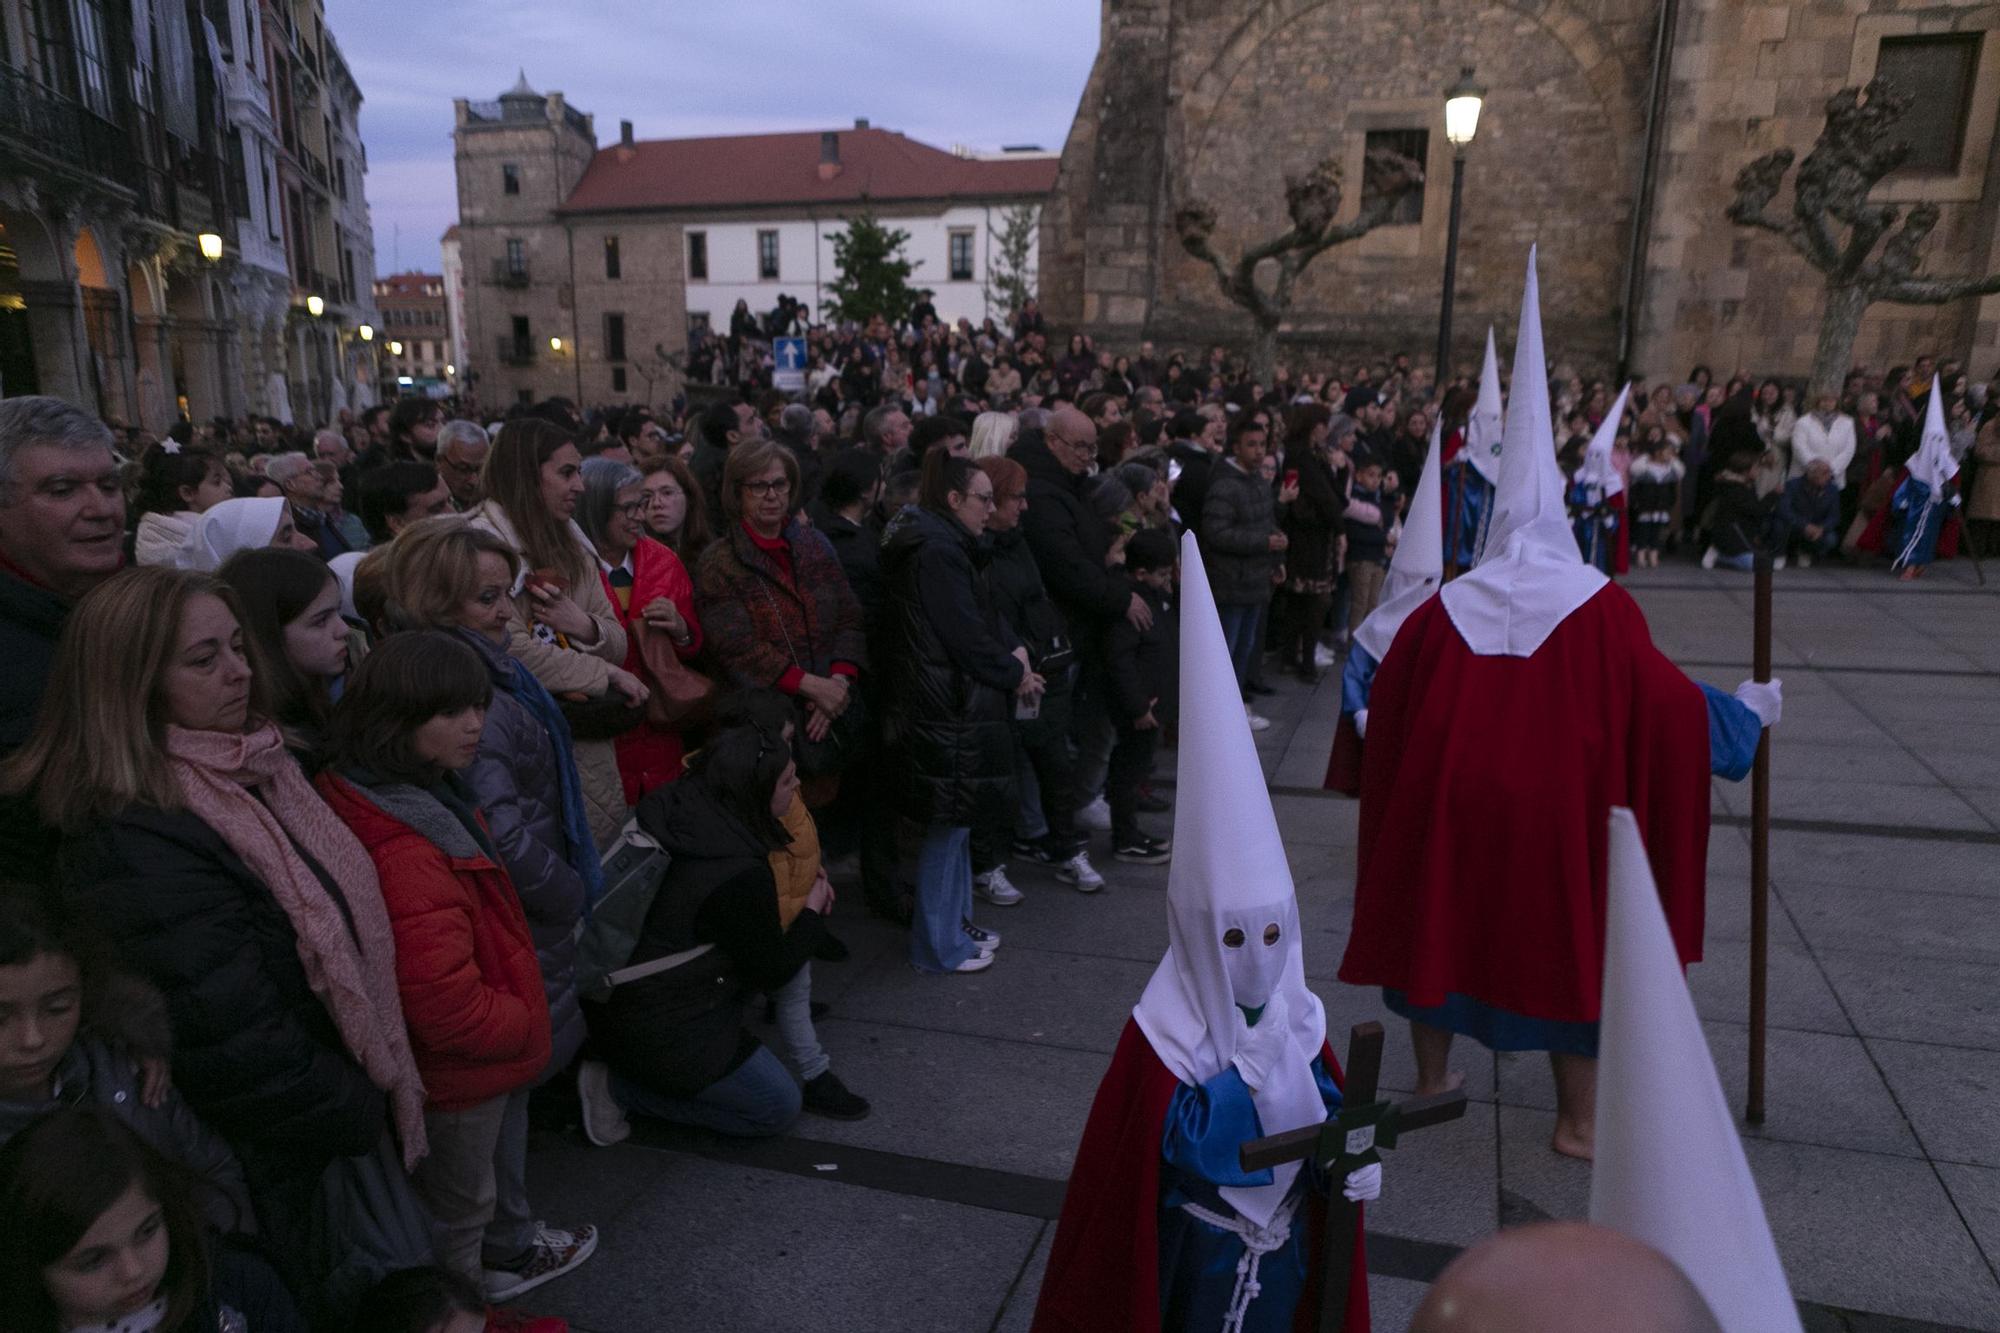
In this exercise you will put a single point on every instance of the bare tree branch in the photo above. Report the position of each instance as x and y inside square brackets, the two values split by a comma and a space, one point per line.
[1936, 291]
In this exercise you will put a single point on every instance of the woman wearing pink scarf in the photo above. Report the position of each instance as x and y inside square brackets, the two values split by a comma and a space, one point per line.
[193, 841]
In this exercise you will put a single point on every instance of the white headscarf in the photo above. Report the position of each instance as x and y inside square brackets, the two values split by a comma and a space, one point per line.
[1229, 870]
[229, 527]
[1418, 565]
[1531, 575]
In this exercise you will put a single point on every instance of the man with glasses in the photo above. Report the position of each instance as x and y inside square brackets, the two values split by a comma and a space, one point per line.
[461, 456]
[1072, 548]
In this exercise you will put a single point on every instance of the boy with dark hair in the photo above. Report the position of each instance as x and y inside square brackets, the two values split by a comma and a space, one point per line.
[1371, 513]
[1143, 674]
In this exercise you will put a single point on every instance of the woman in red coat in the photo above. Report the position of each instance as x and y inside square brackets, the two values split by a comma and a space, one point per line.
[472, 993]
[652, 593]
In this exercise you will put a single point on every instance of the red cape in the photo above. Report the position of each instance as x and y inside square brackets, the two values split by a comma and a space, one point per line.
[1486, 790]
[1343, 766]
[1875, 537]
[1104, 1264]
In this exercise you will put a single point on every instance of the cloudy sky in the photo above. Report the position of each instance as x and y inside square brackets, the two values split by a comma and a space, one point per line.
[939, 71]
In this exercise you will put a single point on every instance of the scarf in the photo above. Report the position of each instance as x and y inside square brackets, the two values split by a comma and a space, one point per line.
[349, 959]
[533, 696]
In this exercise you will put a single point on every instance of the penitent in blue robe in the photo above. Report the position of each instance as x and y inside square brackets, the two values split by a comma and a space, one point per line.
[1357, 675]
[1468, 509]
[1206, 1125]
[1733, 731]
[1919, 518]
[1595, 524]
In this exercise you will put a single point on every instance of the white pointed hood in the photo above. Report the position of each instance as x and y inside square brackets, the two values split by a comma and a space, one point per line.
[1598, 471]
[1229, 871]
[1418, 565]
[1530, 575]
[1485, 427]
[242, 524]
[1933, 463]
[1670, 1169]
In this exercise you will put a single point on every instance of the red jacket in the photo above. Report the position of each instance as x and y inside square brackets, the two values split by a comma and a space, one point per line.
[465, 963]
[648, 754]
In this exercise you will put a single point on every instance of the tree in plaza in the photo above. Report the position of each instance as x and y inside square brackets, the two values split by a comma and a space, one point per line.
[1853, 154]
[1313, 201]
[872, 275]
[1010, 279]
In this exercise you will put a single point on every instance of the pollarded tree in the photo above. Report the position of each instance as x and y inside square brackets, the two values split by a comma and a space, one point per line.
[872, 274]
[1313, 201]
[1875, 260]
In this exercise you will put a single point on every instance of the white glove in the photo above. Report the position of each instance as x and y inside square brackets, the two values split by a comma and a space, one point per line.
[1764, 698]
[1361, 723]
[1365, 1185]
[1259, 1049]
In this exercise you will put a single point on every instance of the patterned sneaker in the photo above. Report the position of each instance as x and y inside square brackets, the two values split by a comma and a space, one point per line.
[553, 1254]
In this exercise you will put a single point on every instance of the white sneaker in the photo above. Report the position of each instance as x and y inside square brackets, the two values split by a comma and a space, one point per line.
[1708, 558]
[996, 888]
[1778, 563]
[987, 940]
[1078, 871]
[1095, 817]
[604, 1121]
[979, 962]
[1324, 657]
[1804, 560]
[1257, 721]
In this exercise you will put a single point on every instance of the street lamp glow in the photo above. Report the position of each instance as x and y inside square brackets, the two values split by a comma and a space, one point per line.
[450, 369]
[315, 306]
[555, 344]
[367, 332]
[211, 246]
[1462, 102]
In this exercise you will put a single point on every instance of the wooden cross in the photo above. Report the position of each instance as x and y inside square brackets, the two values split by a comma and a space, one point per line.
[1347, 1142]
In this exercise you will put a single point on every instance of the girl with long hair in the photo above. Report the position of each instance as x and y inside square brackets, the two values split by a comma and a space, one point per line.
[177, 484]
[291, 610]
[675, 513]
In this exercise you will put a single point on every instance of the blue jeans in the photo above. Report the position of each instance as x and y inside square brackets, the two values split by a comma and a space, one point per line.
[938, 942]
[1243, 631]
[758, 1100]
[1747, 561]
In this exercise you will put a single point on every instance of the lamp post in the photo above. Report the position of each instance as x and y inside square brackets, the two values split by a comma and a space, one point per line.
[211, 246]
[1461, 121]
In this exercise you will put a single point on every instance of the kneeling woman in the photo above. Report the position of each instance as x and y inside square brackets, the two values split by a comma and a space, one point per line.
[405, 731]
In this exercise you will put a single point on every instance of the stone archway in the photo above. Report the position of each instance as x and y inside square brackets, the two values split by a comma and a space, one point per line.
[156, 392]
[109, 359]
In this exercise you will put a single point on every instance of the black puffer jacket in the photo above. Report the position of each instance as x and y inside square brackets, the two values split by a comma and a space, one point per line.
[1238, 517]
[30, 620]
[1070, 541]
[951, 675]
[516, 783]
[255, 1052]
[1023, 601]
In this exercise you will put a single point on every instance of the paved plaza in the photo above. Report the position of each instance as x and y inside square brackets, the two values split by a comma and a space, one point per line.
[1879, 1161]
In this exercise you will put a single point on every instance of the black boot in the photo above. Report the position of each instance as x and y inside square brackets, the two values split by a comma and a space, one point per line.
[828, 1096]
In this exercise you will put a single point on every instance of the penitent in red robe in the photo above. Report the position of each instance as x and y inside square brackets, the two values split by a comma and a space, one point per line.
[1487, 785]
[1104, 1265]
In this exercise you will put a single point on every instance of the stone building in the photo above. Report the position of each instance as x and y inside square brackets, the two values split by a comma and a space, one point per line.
[1611, 134]
[128, 132]
[415, 335]
[585, 268]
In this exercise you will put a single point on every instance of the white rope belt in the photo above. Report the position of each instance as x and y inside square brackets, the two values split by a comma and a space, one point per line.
[1257, 1242]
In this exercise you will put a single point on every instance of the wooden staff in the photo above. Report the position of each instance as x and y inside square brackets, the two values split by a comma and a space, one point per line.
[1760, 847]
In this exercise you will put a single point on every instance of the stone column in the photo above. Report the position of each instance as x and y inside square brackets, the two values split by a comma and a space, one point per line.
[62, 353]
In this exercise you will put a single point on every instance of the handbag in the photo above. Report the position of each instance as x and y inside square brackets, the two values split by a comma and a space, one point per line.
[681, 696]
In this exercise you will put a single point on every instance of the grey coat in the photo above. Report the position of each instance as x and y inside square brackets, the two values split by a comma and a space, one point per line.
[1238, 516]
[515, 782]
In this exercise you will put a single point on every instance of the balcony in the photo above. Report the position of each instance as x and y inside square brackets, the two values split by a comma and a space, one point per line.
[516, 351]
[510, 272]
[52, 126]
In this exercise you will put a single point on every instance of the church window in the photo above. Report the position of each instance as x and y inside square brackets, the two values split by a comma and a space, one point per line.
[1936, 72]
[1413, 144]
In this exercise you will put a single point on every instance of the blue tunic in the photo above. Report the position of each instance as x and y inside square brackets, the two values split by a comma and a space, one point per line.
[1357, 677]
[1205, 1126]
[1595, 524]
[1468, 510]
[1733, 731]
[1918, 523]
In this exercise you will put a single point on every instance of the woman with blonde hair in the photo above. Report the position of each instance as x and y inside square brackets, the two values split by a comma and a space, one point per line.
[194, 843]
[563, 628]
[992, 434]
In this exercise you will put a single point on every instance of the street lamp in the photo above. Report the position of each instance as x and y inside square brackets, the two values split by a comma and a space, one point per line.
[450, 369]
[367, 332]
[1462, 102]
[395, 348]
[315, 306]
[211, 246]
[555, 345]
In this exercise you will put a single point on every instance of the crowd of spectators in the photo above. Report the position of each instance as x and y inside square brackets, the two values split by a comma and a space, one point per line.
[368, 794]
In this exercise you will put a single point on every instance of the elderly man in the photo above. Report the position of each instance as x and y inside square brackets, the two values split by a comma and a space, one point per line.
[1809, 514]
[303, 486]
[461, 457]
[885, 431]
[330, 447]
[62, 531]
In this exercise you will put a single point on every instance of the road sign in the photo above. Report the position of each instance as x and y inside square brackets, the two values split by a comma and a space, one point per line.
[789, 364]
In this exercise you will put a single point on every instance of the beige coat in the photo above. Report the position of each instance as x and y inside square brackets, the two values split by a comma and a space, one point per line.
[564, 670]
[1985, 499]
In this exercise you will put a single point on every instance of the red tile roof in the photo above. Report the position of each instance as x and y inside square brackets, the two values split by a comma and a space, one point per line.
[880, 165]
